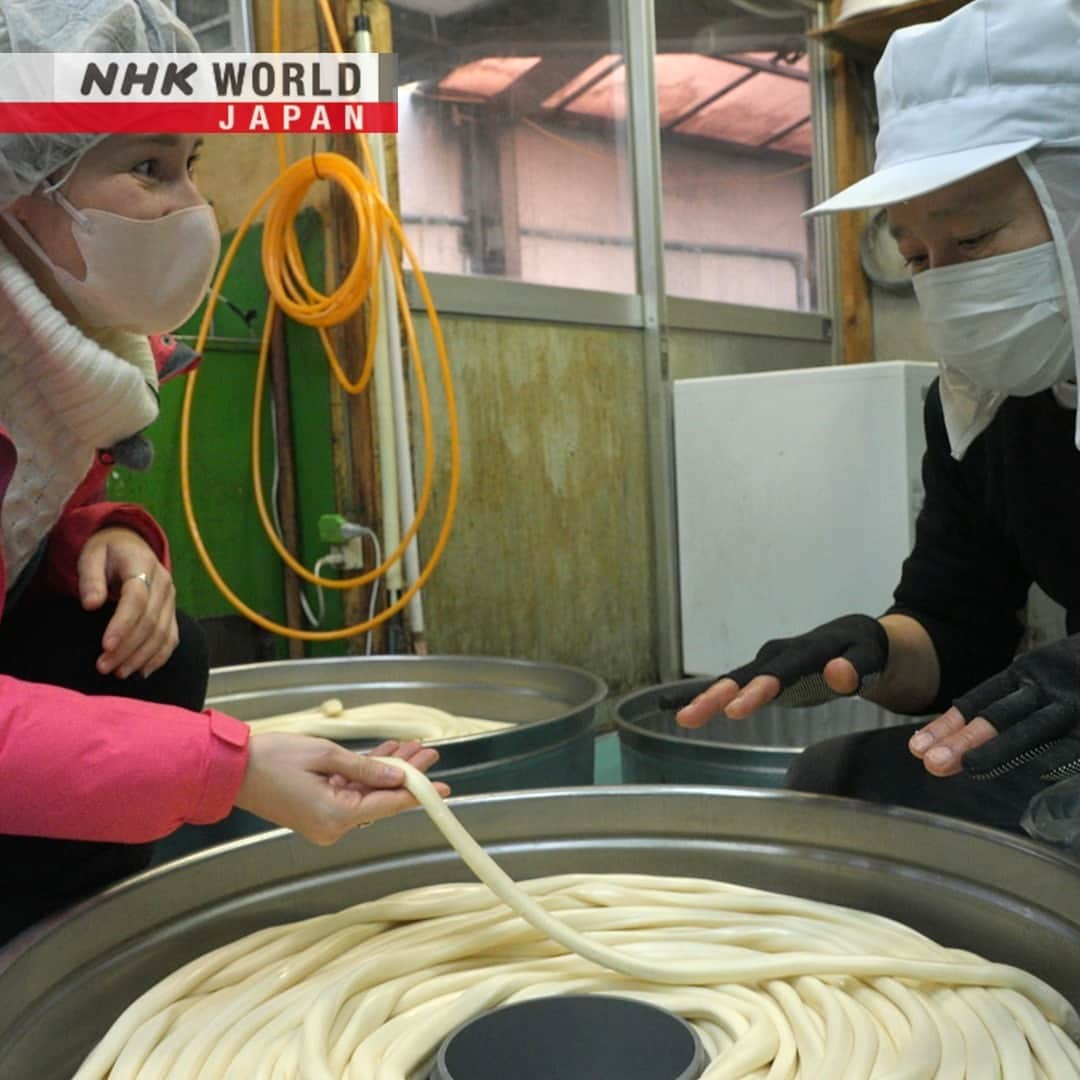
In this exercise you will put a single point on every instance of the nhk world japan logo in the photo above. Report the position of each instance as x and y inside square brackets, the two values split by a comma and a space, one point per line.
[193, 93]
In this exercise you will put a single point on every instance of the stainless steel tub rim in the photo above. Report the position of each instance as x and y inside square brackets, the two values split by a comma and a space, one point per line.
[544, 701]
[968, 886]
[773, 729]
[552, 709]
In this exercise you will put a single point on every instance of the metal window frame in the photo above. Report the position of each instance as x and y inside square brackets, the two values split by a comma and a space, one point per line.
[826, 251]
[241, 28]
[502, 298]
[645, 156]
[461, 294]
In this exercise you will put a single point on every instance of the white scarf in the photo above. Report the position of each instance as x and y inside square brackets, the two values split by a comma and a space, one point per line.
[63, 396]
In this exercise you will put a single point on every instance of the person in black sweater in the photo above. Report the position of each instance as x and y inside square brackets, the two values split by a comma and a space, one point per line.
[978, 164]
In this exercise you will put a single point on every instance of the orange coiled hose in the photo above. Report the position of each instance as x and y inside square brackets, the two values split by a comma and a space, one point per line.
[292, 292]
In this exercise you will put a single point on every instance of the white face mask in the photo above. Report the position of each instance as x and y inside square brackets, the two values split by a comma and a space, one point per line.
[1002, 322]
[145, 276]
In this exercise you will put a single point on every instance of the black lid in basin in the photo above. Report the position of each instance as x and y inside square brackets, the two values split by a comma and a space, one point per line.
[572, 1037]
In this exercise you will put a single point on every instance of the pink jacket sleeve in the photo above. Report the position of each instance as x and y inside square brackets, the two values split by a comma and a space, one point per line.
[83, 767]
[69, 536]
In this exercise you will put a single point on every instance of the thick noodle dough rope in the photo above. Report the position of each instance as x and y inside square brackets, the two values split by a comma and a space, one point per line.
[384, 720]
[690, 971]
[370, 991]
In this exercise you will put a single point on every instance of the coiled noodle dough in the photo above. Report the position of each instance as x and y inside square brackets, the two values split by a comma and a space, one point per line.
[383, 720]
[778, 988]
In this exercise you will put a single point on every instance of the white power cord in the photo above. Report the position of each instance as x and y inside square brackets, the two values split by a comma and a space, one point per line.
[363, 530]
[334, 558]
[337, 558]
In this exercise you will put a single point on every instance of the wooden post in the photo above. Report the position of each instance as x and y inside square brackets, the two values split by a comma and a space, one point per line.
[849, 130]
[286, 464]
[356, 486]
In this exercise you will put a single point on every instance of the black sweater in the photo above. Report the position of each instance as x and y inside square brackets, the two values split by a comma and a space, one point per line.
[1005, 516]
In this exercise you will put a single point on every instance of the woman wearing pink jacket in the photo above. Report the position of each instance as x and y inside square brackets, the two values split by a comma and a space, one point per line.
[104, 743]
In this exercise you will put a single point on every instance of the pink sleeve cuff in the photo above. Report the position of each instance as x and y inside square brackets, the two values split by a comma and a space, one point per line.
[225, 767]
[75, 527]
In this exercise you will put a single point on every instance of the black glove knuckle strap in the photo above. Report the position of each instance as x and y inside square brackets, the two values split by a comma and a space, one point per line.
[809, 690]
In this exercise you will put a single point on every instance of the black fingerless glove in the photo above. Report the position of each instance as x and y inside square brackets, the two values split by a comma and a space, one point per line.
[798, 662]
[1035, 706]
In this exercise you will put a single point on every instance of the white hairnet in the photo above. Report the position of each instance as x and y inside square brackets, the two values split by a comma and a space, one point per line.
[117, 26]
[1055, 175]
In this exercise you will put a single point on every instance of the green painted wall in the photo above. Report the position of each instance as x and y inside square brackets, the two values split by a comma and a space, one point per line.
[221, 470]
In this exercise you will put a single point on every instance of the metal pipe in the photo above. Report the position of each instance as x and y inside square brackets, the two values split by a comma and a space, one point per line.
[823, 227]
[399, 506]
[644, 133]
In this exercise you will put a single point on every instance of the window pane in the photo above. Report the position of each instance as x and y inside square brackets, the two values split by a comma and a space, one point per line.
[216, 38]
[211, 22]
[197, 12]
[512, 141]
[737, 143]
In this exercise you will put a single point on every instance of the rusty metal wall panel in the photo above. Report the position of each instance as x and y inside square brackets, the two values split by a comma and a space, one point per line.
[549, 556]
[694, 354]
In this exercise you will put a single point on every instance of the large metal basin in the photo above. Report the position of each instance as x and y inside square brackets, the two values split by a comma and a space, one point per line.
[552, 708]
[754, 752]
[63, 982]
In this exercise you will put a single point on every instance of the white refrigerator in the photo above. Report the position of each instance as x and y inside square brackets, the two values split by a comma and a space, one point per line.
[797, 496]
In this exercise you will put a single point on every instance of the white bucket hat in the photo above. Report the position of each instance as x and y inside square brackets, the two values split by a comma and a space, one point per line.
[987, 83]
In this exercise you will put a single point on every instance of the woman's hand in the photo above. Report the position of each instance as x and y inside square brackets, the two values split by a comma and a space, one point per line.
[142, 633]
[320, 789]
